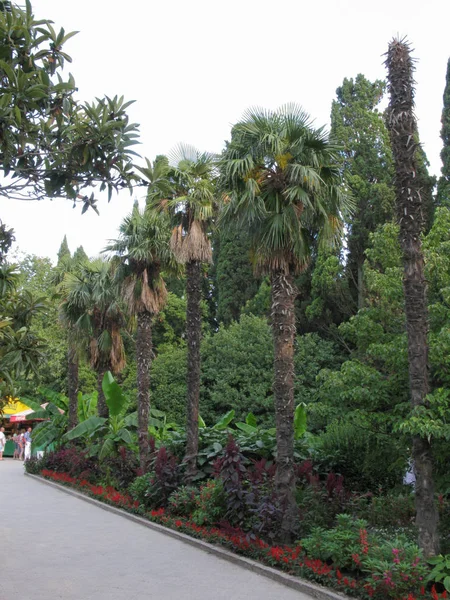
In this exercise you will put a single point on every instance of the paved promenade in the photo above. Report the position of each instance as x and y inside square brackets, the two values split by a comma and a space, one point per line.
[54, 546]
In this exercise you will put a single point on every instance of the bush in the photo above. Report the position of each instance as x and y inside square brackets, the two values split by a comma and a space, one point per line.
[366, 460]
[339, 544]
[232, 472]
[183, 501]
[153, 489]
[71, 460]
[389, 510]
[211, 503]
[121, 470]
[35, 465]
[138, 489]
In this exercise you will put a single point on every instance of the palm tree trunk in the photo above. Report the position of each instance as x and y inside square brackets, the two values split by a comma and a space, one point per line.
[283, 327]
[403, 130]
[102, 407]
[72, 384]
[193, 334]
[144, 357]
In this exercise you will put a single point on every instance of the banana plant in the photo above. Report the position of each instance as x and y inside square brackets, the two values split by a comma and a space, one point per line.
[51, 429]
[104, 435]
[159, 428]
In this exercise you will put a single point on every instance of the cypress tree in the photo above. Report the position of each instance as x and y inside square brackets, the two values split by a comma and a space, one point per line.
[443, 191]
[359, 127]
[235, 282]
[63, 252]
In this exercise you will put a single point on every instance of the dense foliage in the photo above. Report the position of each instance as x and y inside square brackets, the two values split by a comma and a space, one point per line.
[222, 303]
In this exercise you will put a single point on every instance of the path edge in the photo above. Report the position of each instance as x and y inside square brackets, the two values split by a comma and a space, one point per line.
[311, 589]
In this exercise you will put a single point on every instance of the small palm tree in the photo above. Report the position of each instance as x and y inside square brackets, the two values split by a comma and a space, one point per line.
[282, 188]
[93, 306]
[184, 189]
[140, 253]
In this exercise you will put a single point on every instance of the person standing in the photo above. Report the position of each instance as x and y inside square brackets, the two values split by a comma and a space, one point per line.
[21, 444]
[15, 439]
[28, 441]
[2, 441]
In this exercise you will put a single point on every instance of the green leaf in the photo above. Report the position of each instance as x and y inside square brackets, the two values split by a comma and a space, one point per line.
[106, 449]
[114, 397]
[446, 583]
[225, 420]
[435, 560]
[300, 421]
[125, 436]
[201, 422]
[157, 413]
[86, 428]
[245, 427]
[251, 420]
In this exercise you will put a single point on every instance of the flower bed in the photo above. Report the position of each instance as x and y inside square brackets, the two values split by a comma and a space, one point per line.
[293, 560]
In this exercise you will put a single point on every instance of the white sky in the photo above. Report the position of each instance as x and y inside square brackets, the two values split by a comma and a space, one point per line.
[194, 66]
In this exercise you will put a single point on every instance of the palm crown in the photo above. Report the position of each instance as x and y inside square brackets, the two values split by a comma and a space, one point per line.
[184, 188]
[140, 253]
[282, 183]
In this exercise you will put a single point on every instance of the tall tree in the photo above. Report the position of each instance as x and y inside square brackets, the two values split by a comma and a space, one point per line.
[140, 253]
[403, 130]
[186, 192]
[64, 251]
[93, 306]
[281, 181]
[235, 283]
[443, 191]
[358, 125]
[50, 144]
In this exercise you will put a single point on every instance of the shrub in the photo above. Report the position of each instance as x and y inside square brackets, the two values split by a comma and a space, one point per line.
[71, 460]
[211, 503]
[121, 470]
[138, 489]
[34, 465]
[340, 544]
[183, 501]
[232, 471]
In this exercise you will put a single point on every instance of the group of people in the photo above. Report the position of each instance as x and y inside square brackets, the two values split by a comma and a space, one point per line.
[22, 444]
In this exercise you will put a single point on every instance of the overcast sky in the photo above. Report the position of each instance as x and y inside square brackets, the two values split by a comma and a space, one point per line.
[194, 67]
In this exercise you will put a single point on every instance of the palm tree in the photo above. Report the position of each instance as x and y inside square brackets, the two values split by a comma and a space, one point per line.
[403, 129]
[184, 189]
[141, 252]
[68, 264]
[282, 187]
[93, 306]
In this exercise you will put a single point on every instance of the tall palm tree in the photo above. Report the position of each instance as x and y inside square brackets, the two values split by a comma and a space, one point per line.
[282, 187]
[69, 264]
[140, 253]
[185, 190]
[403, 129]
[93, 305]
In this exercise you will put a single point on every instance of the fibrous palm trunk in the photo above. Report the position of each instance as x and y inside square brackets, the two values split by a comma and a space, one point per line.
[193, 335]
[72, 384]
[102, 407]
[403, 130]
[144, 357]
[283, 327]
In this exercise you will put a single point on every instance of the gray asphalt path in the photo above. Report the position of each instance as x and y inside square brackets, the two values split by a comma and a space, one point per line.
[54, 546]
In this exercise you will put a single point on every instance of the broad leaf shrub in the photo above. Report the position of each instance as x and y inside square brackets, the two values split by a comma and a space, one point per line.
[394, 583]
[211, 504]
[153, 489]
[121, 470]
[183, 501]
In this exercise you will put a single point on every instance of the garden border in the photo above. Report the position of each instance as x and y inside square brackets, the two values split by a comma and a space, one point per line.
[311, 589]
